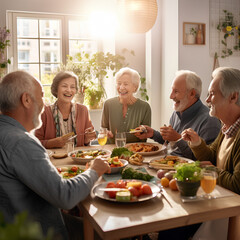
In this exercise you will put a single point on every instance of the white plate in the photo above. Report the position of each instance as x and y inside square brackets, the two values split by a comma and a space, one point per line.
[166, 167]
[103, 195]
[65, 168]
[50, 153]
[117, 169]
[160, 148]
[88, 158]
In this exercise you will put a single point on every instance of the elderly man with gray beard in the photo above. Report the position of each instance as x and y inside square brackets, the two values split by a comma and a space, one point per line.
[29, 181]
[189, 112]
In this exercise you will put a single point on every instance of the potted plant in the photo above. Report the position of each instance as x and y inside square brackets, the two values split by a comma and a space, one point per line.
[93, 96]
[92, 71]
[191, 37]
[188, 177]
[4, 43]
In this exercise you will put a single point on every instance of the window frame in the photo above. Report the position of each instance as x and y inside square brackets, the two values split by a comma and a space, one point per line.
[64, 35]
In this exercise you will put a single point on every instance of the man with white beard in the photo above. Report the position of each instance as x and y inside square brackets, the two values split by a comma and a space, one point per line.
[189, 112]
[29, 181]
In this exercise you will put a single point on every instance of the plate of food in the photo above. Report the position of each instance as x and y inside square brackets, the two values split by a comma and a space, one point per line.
[145, 149]
[70, 171]
[167, 162]
[85, 155]
[128, 191]
[116, 164]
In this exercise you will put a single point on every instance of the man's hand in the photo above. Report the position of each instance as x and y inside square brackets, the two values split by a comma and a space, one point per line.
[144, 135]
[100, 166]
[191, 136]
[169, 134]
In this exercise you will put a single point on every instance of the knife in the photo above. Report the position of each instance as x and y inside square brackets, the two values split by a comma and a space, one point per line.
[112, 189]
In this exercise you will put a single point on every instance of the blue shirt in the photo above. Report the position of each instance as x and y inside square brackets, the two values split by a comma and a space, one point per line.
[29, 182]
[196, 117]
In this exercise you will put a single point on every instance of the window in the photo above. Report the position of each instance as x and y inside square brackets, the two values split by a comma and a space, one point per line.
[41, 42]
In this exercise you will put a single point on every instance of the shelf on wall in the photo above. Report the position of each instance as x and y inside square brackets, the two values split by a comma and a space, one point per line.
[194, 33]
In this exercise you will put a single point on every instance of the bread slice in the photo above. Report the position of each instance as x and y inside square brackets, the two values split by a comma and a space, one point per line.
[68, 135]
[59, 155]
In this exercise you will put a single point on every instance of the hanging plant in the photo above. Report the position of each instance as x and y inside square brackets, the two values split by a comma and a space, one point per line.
[229, 28]
[4, 43]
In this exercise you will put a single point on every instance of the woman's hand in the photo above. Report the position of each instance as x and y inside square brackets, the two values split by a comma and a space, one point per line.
[90, 134]
[191, 136]
[109, 134]
[144, 135]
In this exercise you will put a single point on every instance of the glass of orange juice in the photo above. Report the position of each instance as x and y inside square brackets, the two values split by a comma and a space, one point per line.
[102, 136]
[208, 182]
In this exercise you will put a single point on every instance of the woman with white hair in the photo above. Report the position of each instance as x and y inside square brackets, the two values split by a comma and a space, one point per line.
[64, 116]
[125, 112]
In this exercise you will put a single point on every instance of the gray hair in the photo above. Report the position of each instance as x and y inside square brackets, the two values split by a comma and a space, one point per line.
[12, 86]
[135, 77]
[59, 77]
[193, 81]
[230, 81]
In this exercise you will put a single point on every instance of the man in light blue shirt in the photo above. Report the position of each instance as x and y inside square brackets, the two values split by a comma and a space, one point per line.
[189, 112]
[29, 181]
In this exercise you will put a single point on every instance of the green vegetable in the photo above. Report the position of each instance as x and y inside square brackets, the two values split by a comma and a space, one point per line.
[190, 172]
[123, 196]
[130, 173]
[121, 151]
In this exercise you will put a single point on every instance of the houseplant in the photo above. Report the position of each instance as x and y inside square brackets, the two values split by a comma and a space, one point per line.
[4, 43]
[228, 29]
[191, 36]
[188, 177]
[93, 70]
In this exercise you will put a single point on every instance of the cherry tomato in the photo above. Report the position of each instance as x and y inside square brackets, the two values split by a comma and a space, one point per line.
[74, 168]
[112, 194]
[111, 185]
[134, 191]
[59, 170]
[146, 189]
[73, 155]
[121, 184]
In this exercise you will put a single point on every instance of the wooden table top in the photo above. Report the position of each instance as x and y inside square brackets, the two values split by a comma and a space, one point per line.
[120, 220]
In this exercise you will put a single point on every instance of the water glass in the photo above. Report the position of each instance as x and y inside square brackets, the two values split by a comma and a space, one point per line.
[69, 146]
[120, 139]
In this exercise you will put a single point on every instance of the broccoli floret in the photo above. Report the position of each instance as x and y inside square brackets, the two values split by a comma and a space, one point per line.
[130, 173]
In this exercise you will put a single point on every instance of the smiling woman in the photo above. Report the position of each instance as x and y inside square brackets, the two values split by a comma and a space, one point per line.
[125, 112]
[64, 117]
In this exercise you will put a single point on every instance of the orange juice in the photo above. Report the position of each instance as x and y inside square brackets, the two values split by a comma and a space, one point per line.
[102, 141]
[208, 183]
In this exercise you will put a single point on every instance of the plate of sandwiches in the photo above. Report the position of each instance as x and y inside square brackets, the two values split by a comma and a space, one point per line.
[167, 162]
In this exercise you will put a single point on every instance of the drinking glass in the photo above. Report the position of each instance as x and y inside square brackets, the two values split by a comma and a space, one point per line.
[120, 139]
[102, 136]
[208, 182]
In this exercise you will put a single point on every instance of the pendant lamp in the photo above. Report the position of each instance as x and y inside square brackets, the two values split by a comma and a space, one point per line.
[137, 16]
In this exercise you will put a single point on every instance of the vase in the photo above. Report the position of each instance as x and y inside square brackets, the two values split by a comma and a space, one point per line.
[188, 189]
[191, 39]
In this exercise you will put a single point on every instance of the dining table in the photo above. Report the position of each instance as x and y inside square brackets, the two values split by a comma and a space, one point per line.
[117, 220]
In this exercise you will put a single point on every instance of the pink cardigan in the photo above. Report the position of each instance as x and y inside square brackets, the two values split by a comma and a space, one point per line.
[48, 128]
